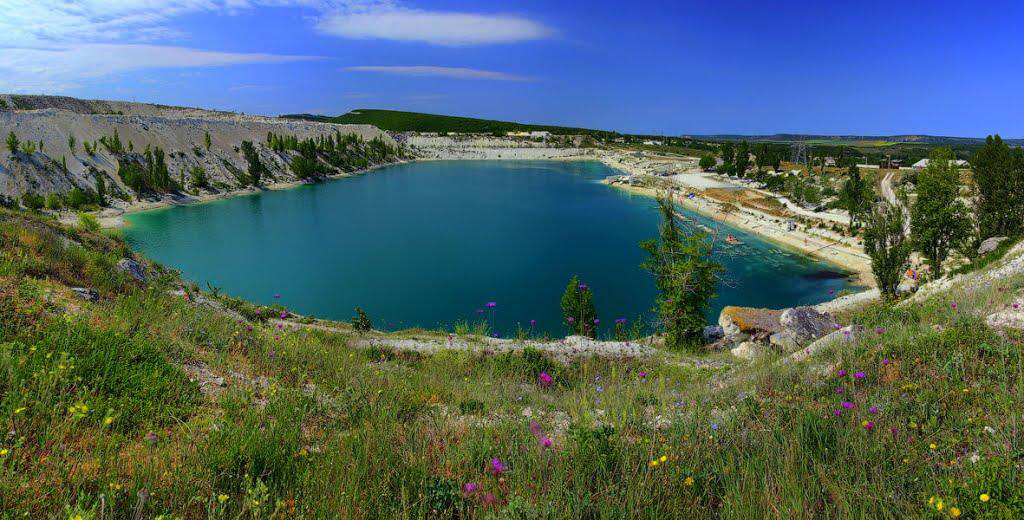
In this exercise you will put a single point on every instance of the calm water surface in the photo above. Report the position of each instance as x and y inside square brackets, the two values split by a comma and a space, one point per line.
[430, 243]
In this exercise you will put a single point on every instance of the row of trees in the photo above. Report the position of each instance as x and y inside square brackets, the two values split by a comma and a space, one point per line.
[940, 221]
[345, 152]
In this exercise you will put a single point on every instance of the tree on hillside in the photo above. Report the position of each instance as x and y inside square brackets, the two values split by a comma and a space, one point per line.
[256, 168]
[707, 162]
[12, 142]
[886, 242]
[856, 196]
[71, 144]
[578, 311]
[206, 140]
[685, 275]
[939, 220]
[999, 178]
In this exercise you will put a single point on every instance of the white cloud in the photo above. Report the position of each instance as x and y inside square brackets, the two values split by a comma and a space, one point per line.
[435, 27]
[62, 68]
[448, 72]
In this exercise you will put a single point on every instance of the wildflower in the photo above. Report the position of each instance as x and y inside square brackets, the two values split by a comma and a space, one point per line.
[652, 463]
[479, 311]
[491, 305]
[837, 412]
[859, 375]
[546, 442]
[939, 505]
[840, 389]
[544, 379]
[470, 487]
[151, 439]
[984, 497]
[885, 361]
[848, 405]
[932, 446]
[4, 452]
[277, 295]
[488, 499]
[620, 321]
[571, 319]
[663, 458]
[284, 314]
[688, 482]
[497, 466]
[643, 375]
[19, 410]
[879, 330]
[841, 373]
[873, 410]
[108, 420]
[582, 287]
[533, 322]
[868, 425]
[714, 426]
[222, 498]
[596, 321]
[954, 512]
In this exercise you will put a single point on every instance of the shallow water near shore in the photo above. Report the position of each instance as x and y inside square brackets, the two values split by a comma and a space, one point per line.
[427, 244]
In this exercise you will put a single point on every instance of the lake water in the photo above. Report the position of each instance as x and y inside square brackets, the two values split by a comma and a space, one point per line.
[430, 243]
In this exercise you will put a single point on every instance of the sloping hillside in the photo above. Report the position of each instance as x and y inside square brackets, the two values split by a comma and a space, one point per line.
[67, 150]
[399, 121]
[127, 393]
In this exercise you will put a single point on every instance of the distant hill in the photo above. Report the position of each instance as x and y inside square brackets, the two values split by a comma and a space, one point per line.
[855, 139]
[399, 121]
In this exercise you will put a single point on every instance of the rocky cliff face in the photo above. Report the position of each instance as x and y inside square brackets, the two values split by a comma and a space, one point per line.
[54, 167]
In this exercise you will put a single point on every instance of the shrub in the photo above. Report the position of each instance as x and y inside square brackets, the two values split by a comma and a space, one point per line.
[361, 322]
[88, 222]
[578, 311]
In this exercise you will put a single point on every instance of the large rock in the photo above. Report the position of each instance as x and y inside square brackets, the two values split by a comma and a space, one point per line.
[89, 295]
[133, 268]
[784, 341]
[990, 244]
[1010, 318]
[838, 338]
[713, 333]
[749, 320]
[750, 350]
[806, 324]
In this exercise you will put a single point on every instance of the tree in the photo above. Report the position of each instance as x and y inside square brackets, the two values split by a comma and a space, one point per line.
[707, 162]
[886, 242]
[361, 322]
[33, 201]
[999, 177]
[856, 196]
[742, 158]
[53, 202]
[101, 190]
[256, 167]
[728, 153]
[12, 142]
[198, 177]
[939, 220]
[578, 309]
[206, 140]
[685, 275]
[71, 144]
[304, 168]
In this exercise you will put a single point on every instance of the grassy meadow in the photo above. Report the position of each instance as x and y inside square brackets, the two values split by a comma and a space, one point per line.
[156, 402]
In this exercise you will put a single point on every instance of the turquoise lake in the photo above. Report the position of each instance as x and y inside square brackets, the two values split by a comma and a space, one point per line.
[428, 244]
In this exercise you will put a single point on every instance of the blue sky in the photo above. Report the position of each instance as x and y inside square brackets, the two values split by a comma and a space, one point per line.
[724, 66]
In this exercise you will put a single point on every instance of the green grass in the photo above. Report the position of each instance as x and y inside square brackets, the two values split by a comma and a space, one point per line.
[308, 426]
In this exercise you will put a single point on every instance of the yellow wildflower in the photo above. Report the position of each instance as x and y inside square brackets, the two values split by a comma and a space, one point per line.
[19, 410]
[984, 497]
[222, 498]
[939, 505]
[4, 452]
[955, 511]
[688, 481]
[932, 446]
[663, 459]
[107, 420]
[931, 501]
[652, 463]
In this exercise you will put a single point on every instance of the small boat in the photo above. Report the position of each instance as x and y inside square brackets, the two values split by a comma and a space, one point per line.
[732, 240]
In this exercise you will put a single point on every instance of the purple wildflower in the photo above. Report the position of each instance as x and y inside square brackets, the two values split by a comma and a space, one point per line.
[497, 467]
[842, 373]
[533, 322]
[840, 389]
[544, 379]
[869, 425]
[151, 439]
[837, 412]
[859, 375]
[491, 305]
[470, 488]
[714, 426]
[284, 314]
[596, 321]
[643, 375]
[479, 311]
[277, 295]
[848, 405]
[488, 499]
[572, 320]
[886, 361]
[546, 442]
[582, 287]
[873, 409]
